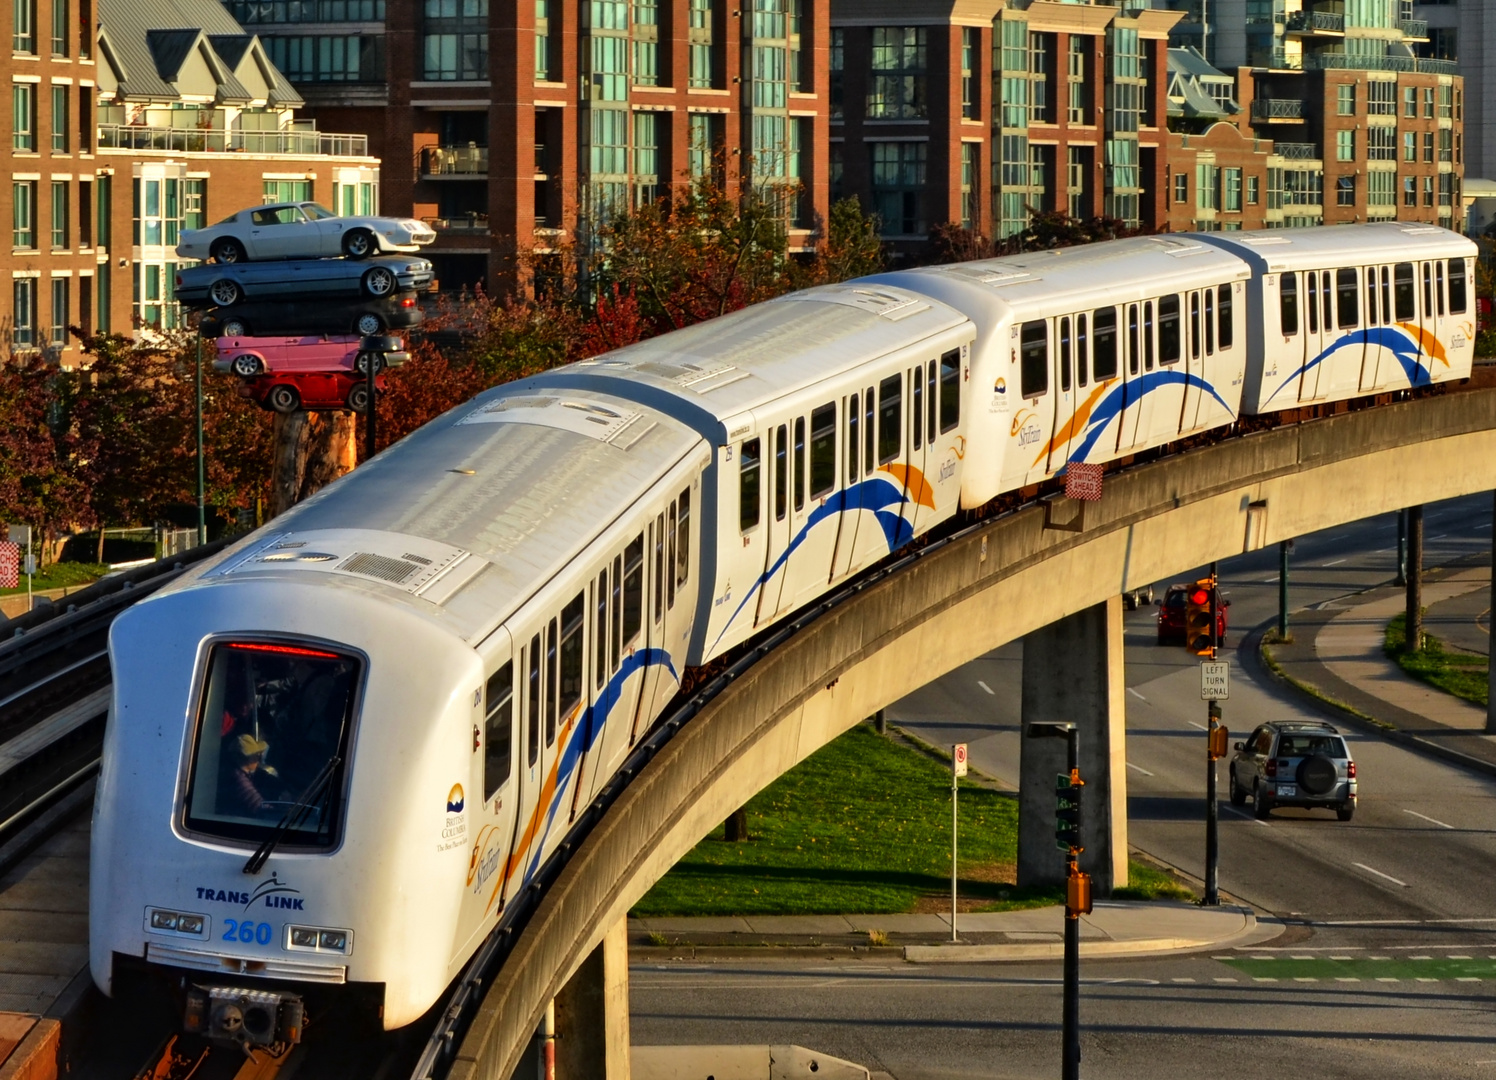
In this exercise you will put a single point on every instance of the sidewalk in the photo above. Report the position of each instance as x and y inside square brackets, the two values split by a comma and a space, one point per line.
[1112, 929]
[1337, 655]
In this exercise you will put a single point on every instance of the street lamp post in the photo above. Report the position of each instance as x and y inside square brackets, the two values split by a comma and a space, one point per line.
[202, 513]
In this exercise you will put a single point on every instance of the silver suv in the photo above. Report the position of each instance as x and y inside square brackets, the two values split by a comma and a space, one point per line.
[1294, 763]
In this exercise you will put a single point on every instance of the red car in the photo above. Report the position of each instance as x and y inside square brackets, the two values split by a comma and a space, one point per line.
[1171, 612]
[251, 356]
[317, 391]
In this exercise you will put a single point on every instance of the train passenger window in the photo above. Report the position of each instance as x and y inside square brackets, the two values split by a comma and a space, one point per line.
[1428, 290]
[1225, 326]
[498, 730]
[822, 450]
[659, 567]
[1347, 314]
[800, 463]
[683, 539]
[1082, 375]
[930, 409]
[670, 560]
[272, 728]
[615, 607]
[600, 631]
[748, 493]
[1402, 292]
[1033, 354]
[1457, 286]
[1082, 337]
[917, 408]
[1371, 296]
[1311, 301]
[570, 690]
[852, 445]
[1132, 338]
[1439, 286]
[1326, 299]
[1194, 326]
[868, 432]
[1288, 304]
[1210, 344]
[1148, 335]
[1386, 295]
[1064, 342]
[1170, 339]
[950, 390]
[633, 590]
[890, 416]
[552, 683]
[532, 729]
[781, 472]
[1103, 347]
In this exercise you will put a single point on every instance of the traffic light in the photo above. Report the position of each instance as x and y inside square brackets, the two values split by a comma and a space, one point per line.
[1068, 814]
[1199, 635]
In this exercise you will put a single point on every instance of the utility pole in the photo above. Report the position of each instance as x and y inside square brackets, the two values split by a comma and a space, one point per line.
[1413, 621]
[202, 512]
[1284, 547]
[1402, 549]
[1213, 742]
[958, 770]
[1491, 667]
[371, 360]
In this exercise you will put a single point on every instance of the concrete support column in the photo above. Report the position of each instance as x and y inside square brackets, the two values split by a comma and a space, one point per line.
[1491, 664]
[1413, 619]
[1073, 673]
[592, 1014]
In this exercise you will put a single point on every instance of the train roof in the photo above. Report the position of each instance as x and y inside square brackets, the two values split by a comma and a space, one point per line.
[1084, 276]
[470, 515]
[1274, 250]
[730, 365]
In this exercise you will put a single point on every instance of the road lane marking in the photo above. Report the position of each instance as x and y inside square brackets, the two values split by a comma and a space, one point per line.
[1139, 768]
[1378, 873]
[1304, 978]
[1425, 817]
[1260, 978]
[987, 688]
[1269, 581]
[1383, 978]
[1459, 957]
[1182, 980]
[1420, 958]
[1223, 980]
[1441, 536]
[1202, 727]
[1487, 525]
[1427, 980]
[1337, 562]
[1249, 817]
[1345, 978]
[1135, 694]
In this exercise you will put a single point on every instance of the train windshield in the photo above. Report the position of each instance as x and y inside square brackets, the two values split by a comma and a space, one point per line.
[272, 744]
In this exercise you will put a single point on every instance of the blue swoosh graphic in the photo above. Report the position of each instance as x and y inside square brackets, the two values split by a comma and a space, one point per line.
[875, 494]
[589, 728]
[1400, 345]
[1111, 406]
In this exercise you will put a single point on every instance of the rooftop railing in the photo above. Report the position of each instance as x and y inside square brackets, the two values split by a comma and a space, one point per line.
[1277, 109]
[1297, 151]
[455, 161]
[1321, 22]
[218, 140]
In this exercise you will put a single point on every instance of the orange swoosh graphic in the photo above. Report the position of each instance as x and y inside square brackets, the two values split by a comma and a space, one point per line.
[915, 484]
[1428, 342]
[1076, 422]
[537, 816]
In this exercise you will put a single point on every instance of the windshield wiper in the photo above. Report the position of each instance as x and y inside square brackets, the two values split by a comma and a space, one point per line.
[295, 814]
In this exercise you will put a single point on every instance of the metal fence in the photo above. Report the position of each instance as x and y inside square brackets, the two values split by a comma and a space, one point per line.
[219, 140]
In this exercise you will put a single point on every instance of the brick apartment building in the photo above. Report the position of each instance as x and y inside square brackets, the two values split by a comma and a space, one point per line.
[129, 123]
[510, 125]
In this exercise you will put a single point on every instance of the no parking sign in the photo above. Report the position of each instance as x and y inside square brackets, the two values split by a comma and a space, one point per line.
[958, 759]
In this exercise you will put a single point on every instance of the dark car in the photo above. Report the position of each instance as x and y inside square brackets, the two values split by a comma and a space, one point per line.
[365, 315]
[324, 391]
[224, 285]
[1294, 763]
[1171, 612]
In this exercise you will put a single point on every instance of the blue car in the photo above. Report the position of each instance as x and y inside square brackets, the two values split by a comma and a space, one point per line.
[223, 285]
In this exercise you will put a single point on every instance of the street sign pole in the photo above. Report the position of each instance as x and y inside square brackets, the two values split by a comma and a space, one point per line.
[1283, 549]
[958, 770]
[1212, 712]
[202, 513]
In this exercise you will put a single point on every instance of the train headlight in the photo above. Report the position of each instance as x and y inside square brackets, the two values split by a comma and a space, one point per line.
[319, 939]
[303, 937]
[165, 921]
[190, 924]
[333, 939]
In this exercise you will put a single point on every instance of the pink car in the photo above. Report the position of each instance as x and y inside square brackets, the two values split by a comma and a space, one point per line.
[249, 357]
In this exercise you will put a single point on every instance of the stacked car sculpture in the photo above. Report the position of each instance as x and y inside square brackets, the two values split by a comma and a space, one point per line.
[300, 301]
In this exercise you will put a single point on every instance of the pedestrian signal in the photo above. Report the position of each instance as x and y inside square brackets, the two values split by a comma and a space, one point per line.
[1069, 816]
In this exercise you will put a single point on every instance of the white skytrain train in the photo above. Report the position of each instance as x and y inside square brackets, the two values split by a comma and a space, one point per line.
[337, 751]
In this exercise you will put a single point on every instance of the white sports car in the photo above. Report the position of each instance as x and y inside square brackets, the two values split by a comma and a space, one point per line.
[301, 230]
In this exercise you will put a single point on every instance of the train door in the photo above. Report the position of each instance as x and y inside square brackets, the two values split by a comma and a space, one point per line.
[1163, 405]
[1375, 314]
[1201, 307]
[1346, 361]
[779, 528]
[891, 455]
[1132, 377]
[1404, 299]
[491, 797]
[1439, 325]
[656, 687]
[814, 468]
[1319, 318]
[1063, 417]
[916, 487]
[529, 708]
[844, 559]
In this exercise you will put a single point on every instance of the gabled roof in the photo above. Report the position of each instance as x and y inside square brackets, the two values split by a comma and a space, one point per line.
[1189, 73]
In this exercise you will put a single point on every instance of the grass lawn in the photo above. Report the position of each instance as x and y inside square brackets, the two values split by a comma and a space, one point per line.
[863, 826]
[1462, 674]
[72, 575]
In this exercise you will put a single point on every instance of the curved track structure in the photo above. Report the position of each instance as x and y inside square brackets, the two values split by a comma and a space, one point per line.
[926, 614]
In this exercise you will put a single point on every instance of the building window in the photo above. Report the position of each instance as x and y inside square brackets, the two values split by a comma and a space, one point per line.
[456, 40]
[23, 313]
[969, 193]
[59, 214]
[1428, 191]
[23, 116]
[23, 214]
[1206, 194]
[646, 157]
[1381, 98]
[970, 39]
[1428, 147]
[59, 330]
[1075, 76]
[1410, 190]
[1446, 144]
[1446, 102]
[1181, 187]
[898, 75]
[1231, 190]
[24, 24]
[1428, 102]
[1077, 166]
[1345, 99]
[1381, 144]
[1345, 145]
[702, 40]
[1410, 101]
[346, 57]
[1381, 189]
[1345, 191]
[60, 119]
[277, 191]
[1410, 145]
[248, 12]
[838, 66]
[195, 202]
[542, 40]
[700, 145]
[646, 43]
[1446, 189]
[610, 67]
[898, 186]
[1251, 191]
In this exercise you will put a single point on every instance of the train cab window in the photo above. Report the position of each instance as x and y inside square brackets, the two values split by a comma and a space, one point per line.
[1326, 299]
[822, 450]
[552, 682]
[799, 463]
[1194, 326]
[1132, 339]
[917, 408]
[1225, 326]
[615, 609]
[890, 417]
[532, 729]
[1288, 304]
[1170, 340]
[950, 390]
[1386, 295]
[1439, 286]
[869, 429]
[1402, 292]
[1371, 296]
[1148, 336]
[570, 690]
[633, 591]
[273, 729]
[1311, 300]
[1033, 359]
[1209, 301]
[683, 539]
[1428, 290]
[852, 445]
[930, 410]
[748, 488]
[498, 730]
[1063, 333]
[1457, 300]
[781, 472]
[670, 557]
[600, 631]
[659, 567]
[1103, 345]
[1347, 315]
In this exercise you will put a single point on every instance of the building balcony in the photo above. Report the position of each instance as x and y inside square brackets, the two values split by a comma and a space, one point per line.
[1416, 29]
[221, 141]
[469, 224]
[1297, 151]
[1343, 62]
[1316, 24]
[454, 161]
[1283, 110]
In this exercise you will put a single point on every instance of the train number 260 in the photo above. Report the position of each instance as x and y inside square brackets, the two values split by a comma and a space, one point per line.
[248, 932]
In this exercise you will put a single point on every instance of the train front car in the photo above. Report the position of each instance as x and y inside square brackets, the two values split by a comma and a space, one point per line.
[326, 765]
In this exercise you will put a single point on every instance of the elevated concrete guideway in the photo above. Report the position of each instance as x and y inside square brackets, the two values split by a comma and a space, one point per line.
[949, 606]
